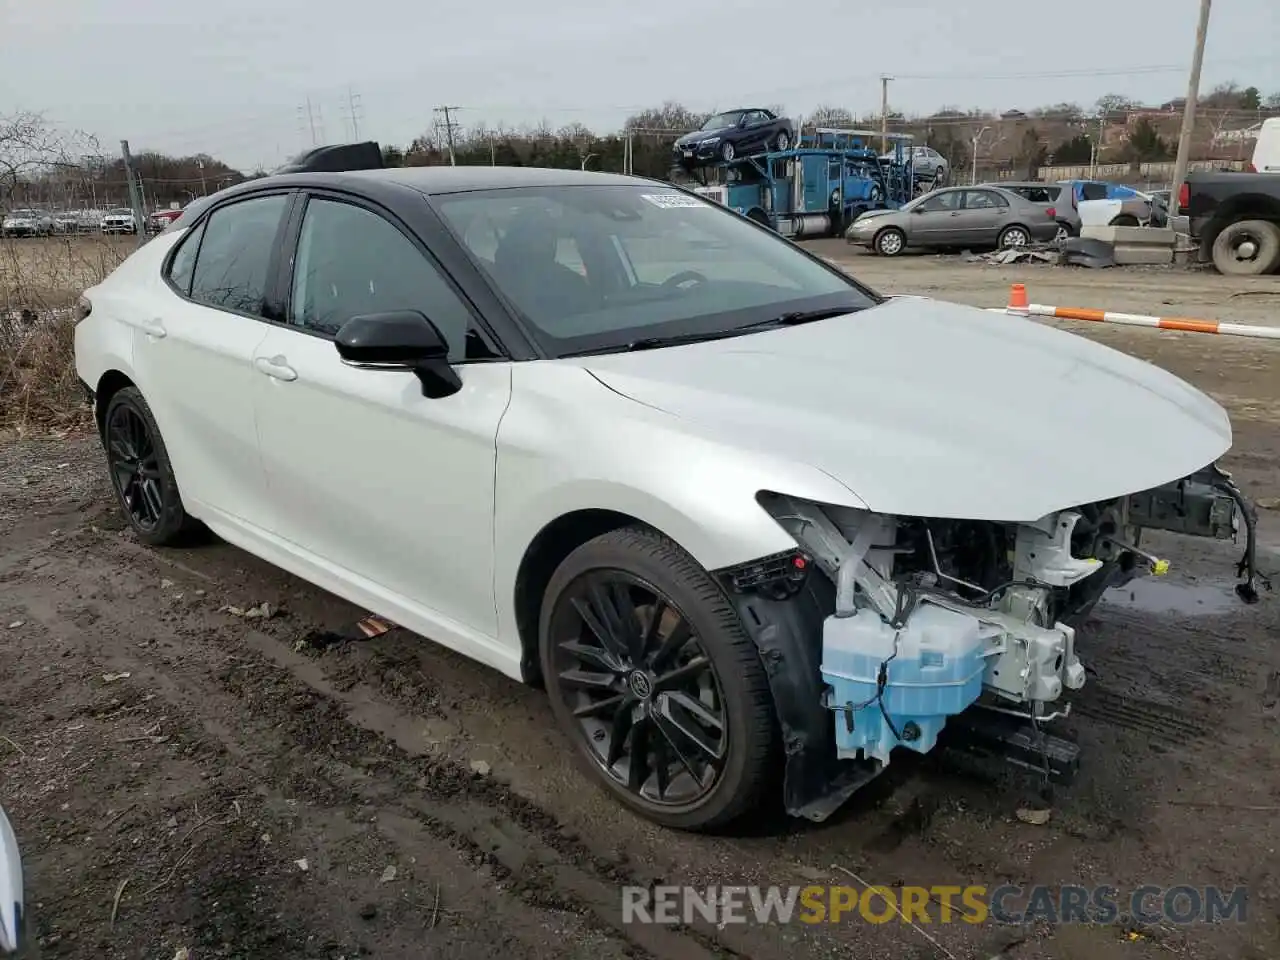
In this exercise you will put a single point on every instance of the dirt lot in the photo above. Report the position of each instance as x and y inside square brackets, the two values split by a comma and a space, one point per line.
[181, 777]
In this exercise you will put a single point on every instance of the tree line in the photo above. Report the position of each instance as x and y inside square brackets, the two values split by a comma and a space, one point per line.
[39, 166]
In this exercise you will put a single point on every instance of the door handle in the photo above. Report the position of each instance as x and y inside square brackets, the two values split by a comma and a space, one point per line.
[154, 328]
[276, 367]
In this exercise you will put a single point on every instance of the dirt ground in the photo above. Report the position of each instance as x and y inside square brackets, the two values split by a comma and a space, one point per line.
[183, 777]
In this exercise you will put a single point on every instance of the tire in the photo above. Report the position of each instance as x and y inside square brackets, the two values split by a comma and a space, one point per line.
[782, 141]
[1265, 237]
[649, 567]
[727, 153]
[756, 215]
[889, 242]
[1124, 220]
[1014, 235]
[148, 495]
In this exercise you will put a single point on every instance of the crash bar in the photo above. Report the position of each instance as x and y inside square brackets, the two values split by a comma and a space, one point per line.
[1018, 306]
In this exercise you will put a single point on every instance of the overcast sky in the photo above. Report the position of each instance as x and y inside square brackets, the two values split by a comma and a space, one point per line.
[231, 77]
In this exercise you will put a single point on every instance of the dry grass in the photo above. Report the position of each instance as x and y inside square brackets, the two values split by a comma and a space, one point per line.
[40, 280]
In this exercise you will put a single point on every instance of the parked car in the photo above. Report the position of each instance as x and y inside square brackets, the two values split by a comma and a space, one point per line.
[161, 219]
[734, 133]
[11, 900]
[119, 220]
[1235, 220]
[1057, 199]
[927, 164]
[955, 217]
[712, 492]
[27, 223]
[1103, 204]
[67, 221]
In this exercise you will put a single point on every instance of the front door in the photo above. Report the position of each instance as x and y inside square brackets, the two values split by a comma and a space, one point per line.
[193, 358]
[937, 222]
[387, 489]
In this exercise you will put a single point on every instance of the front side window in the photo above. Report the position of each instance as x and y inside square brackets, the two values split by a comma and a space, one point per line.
[353, 262]
[233, 266]
[591, 267]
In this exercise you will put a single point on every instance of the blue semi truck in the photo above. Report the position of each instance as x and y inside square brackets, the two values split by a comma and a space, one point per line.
[818, 187]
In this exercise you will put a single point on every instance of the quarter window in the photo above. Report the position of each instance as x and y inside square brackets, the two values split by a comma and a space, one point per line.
[183, 264]
[234, 263]
[353, 262]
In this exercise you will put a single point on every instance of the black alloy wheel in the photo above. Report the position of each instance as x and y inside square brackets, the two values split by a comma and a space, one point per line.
[651, 675]
[644, 692]
[135, 470]
[141, 474]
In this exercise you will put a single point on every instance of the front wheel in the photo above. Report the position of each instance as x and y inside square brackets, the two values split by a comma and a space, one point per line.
[653, 678]
[782, 142]
[890, 242]
[141, 474]
[727, 153]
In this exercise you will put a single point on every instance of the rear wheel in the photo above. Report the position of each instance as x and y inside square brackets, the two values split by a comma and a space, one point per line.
[1124, 220]
[652, 677]
[141, 474]
[1248, 248]
[1014, 236]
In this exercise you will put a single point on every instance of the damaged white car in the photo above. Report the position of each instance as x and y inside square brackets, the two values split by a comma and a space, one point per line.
[11, 920]
[739, 514]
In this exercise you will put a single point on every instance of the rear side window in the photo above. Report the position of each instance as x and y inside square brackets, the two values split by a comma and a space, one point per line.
[233, 267]
[182, 267]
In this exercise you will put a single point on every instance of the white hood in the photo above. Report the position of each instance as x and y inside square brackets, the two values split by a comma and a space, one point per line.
[926, 408]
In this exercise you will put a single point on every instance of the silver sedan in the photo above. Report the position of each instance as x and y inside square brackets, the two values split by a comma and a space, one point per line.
[955, 217]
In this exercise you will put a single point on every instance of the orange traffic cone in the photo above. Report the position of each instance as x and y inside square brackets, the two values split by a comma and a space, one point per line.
[1018, 297]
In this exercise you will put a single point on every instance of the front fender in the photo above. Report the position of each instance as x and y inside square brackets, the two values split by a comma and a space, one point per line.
[569, 443]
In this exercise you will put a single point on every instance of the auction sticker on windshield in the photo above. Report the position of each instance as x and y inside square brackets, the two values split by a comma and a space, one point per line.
[669, 201]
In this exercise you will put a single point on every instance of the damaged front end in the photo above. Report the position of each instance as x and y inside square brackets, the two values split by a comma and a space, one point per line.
[909, 621]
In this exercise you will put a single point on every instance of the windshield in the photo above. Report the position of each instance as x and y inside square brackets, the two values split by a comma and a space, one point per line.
[722, 120]
[596, 267]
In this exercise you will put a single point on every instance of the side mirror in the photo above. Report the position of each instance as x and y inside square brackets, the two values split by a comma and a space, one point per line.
[400, 340]
[918, 210]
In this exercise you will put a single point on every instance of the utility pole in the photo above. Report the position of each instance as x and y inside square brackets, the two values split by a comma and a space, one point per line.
[135, 194]
[884, 112]
[449, 126]
[977, 139]
[1189, 110]
[353, 112]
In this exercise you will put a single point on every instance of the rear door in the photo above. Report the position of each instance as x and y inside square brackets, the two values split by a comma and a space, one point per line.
[194, 357]
[985, 214]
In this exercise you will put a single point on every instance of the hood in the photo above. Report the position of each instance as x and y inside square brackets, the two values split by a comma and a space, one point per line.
[925, 408]
[699, 135]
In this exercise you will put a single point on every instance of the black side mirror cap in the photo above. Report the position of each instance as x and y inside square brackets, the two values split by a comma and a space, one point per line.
[402, 339]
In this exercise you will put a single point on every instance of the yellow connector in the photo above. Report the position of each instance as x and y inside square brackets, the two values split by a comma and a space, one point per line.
[1159, 567]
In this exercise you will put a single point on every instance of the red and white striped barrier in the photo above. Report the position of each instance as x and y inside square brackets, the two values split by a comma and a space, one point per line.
[1018, 306]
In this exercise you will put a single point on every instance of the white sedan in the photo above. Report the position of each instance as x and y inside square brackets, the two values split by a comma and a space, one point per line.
[753, 526]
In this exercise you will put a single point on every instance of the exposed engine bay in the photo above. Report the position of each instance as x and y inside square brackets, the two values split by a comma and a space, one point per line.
[934, 616]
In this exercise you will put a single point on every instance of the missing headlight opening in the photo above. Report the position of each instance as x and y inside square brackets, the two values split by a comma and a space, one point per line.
[933, 617]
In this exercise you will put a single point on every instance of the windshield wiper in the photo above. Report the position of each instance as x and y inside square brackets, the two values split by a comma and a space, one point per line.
[796, 317]
[791, 319]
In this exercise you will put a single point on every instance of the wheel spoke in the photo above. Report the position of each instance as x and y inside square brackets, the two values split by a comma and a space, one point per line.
[674, 641]
[152, 499]
[588, 680]
[590, 655]
[688, 671]
[598, 708]
[638, 759]
[686, 738]
[592, 616]
[618, 730]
